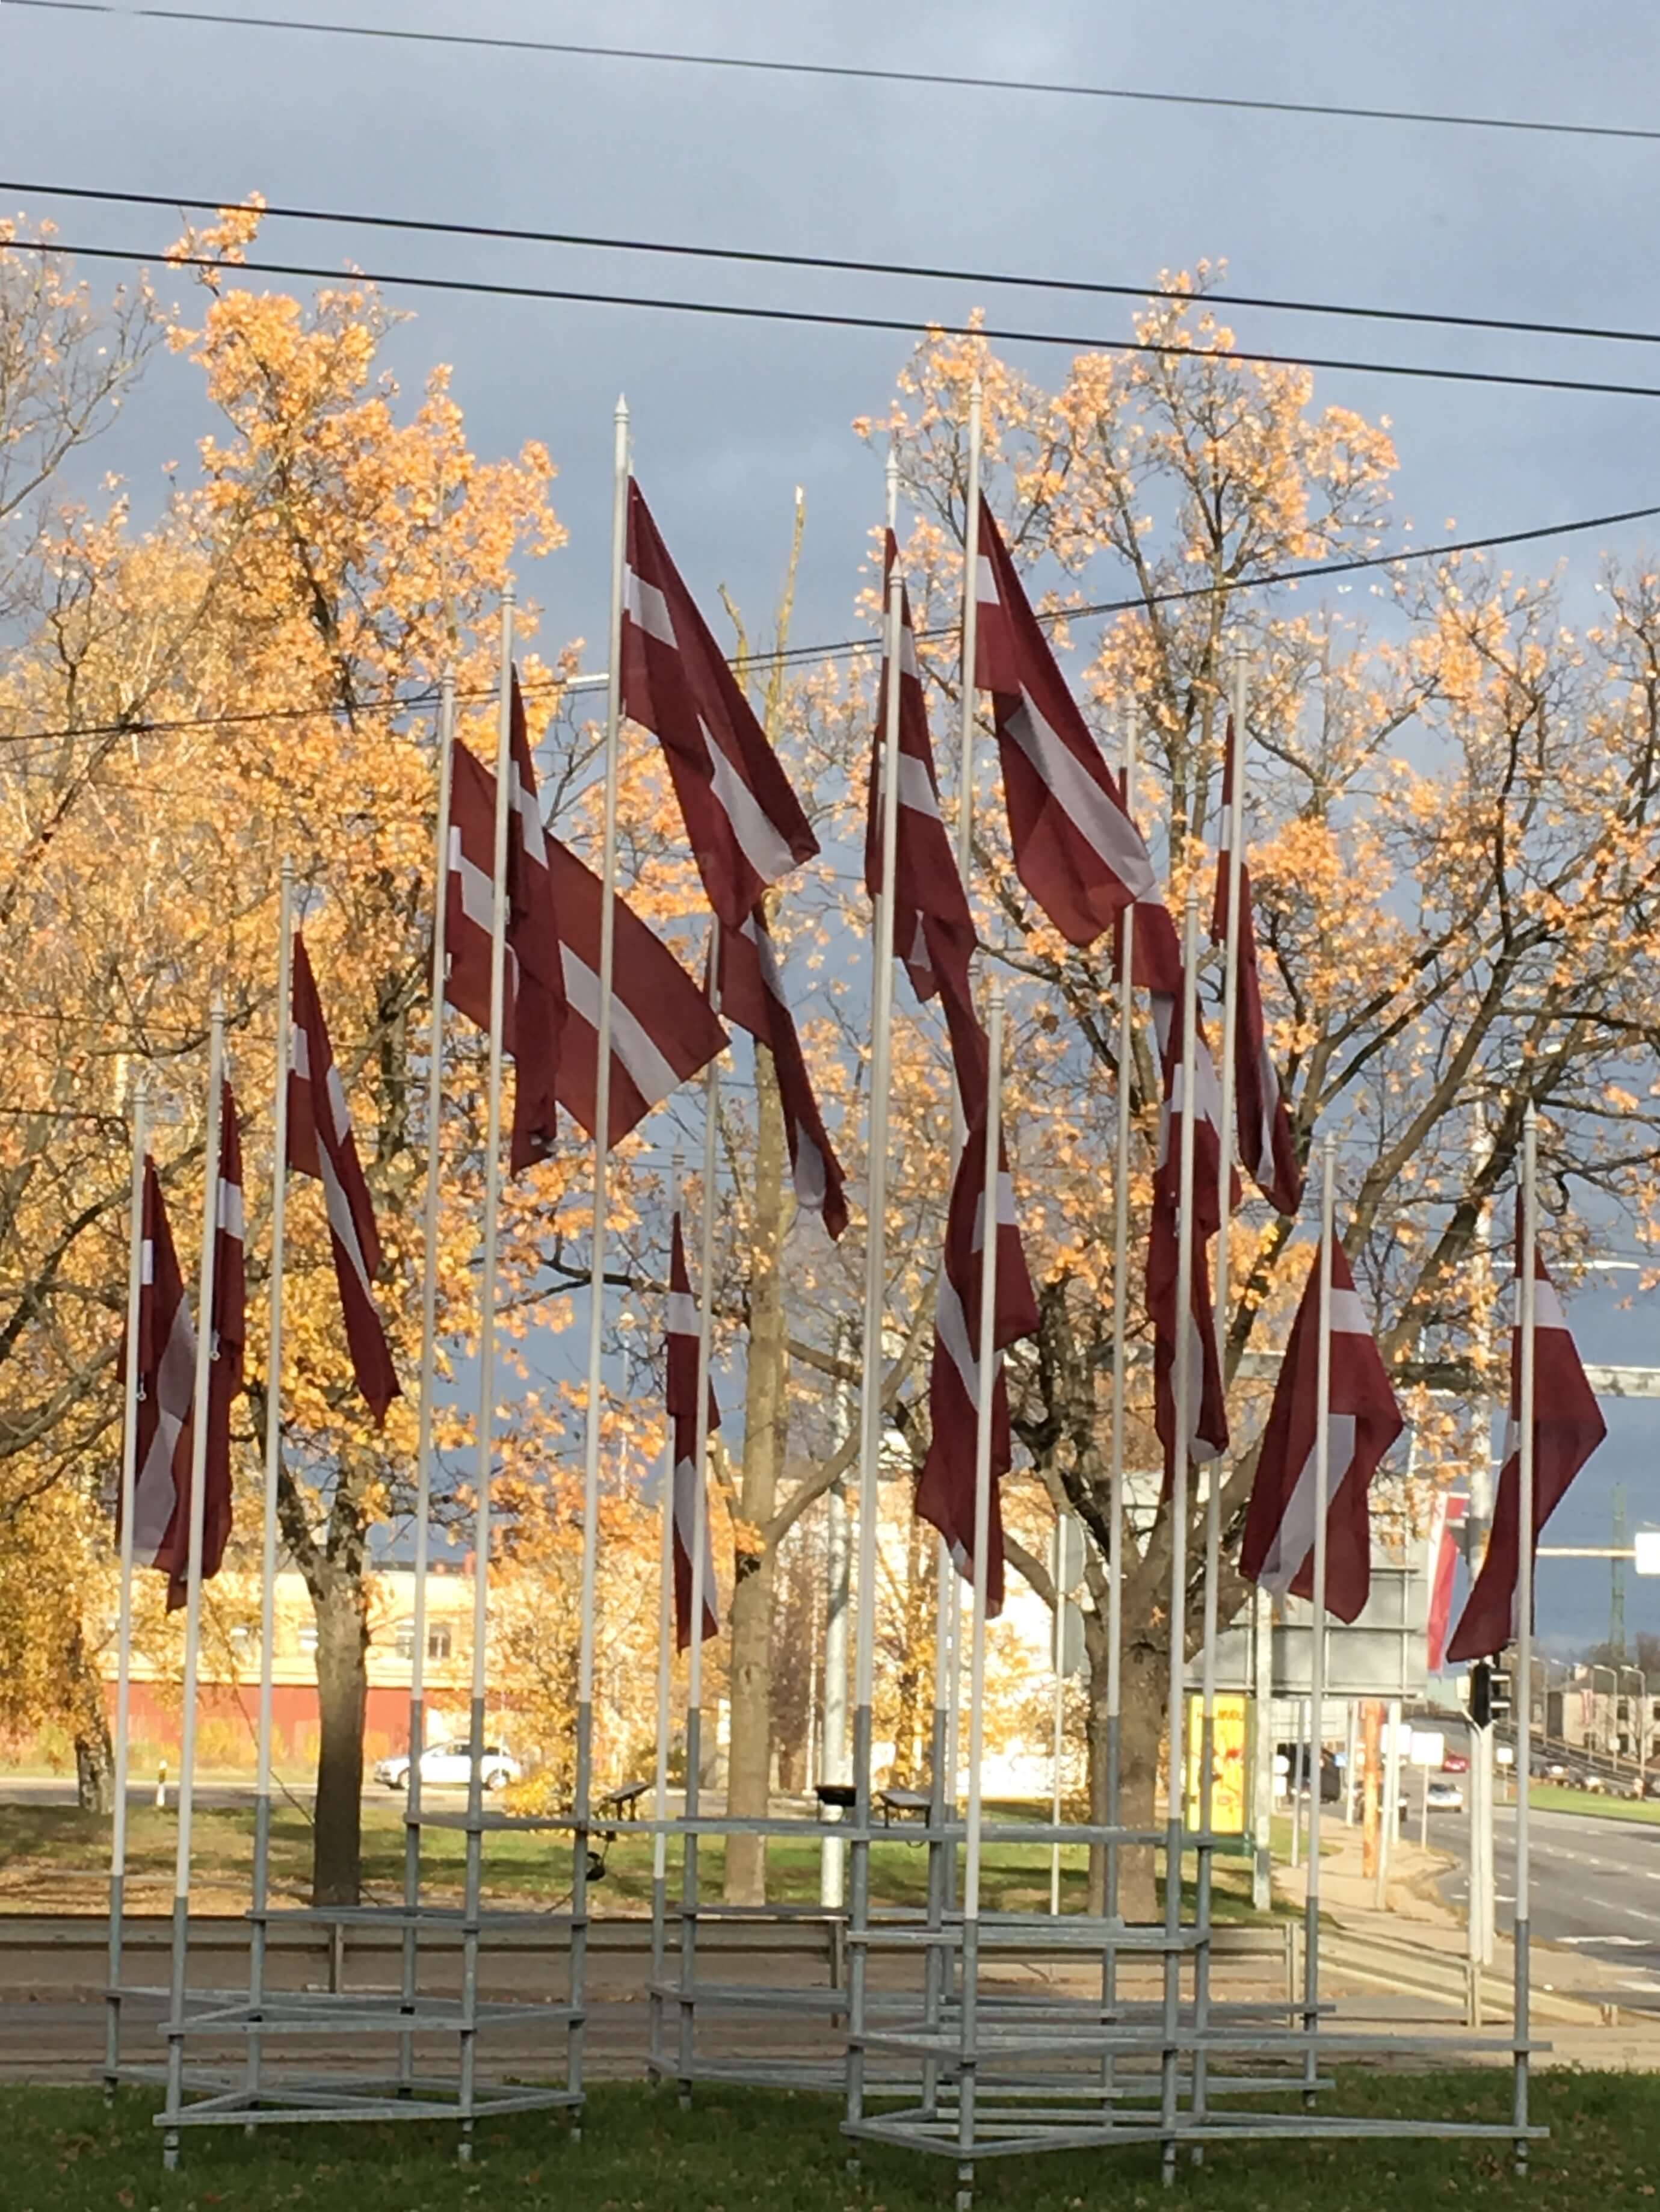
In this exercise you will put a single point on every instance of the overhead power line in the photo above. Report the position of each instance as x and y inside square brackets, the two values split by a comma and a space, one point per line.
[757, 64]
[824, 319]
[823, 264]
[840, 648]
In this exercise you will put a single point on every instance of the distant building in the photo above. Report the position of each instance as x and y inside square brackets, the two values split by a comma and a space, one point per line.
[227, 1712]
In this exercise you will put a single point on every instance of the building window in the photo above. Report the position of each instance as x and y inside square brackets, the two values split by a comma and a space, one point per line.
[402, 1641]
[441, 1640]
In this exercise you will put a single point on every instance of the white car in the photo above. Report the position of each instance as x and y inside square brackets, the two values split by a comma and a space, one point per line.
[1445, 1796]
[449, 1763]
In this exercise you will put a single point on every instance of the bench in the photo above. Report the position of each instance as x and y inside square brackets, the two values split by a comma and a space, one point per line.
[625, 1802]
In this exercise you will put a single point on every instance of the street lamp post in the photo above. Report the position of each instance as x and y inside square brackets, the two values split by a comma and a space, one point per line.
[1611, 1734]
[1639, 1725]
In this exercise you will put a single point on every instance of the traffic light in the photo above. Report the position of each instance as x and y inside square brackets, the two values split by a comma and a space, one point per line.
[1501, 1695]
[1482, 1693]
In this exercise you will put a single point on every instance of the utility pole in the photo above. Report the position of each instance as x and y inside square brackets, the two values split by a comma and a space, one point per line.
[1371, 1729]
[1617, 1577]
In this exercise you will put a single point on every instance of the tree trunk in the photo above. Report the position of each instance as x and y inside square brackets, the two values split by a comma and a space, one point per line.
[1097, 1738]
[1144, 1688]
[766, 1416]
[341, 1611]
[94, 1754]
[913, 1658]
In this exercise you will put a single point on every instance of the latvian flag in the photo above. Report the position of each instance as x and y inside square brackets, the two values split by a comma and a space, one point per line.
[1364, 1420]
[683, 1338]
[322, 1145]
[1075, 849]
[744, 823]
[944, 1491]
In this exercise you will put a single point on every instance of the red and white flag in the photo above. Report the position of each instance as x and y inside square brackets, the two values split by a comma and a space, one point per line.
[752, 994]
[1567, 1427]
[533, 994]
[1157, 966]
[683, 1336]
[944, 1490]
[1267, 1145]
[1208, 1415]
[1208, 1144]
[1447, 1524]
[1076, 849]
[744, 823]
[322, 1145]
[933, 929]
[1363, 1422]
[663, 1031]
[165, 1357]
[226, 1345]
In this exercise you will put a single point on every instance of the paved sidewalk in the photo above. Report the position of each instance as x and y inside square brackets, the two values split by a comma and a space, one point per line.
[1417, 1915]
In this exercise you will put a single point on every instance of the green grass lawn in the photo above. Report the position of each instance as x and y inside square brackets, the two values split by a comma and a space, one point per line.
[753, 2151]
[53, 1858]
[1549, 1797]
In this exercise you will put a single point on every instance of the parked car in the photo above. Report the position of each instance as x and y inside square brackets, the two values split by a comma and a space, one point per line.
[1444, 1795]
[450, 1763]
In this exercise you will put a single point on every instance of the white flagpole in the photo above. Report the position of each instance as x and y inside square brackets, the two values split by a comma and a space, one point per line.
[1317, 1613]
[1216, 1471]
[873, 1351]
[1522, 1686]
[1058, 1705]
[833, 1859]
[273, 1462]
[665, 1671]
[1121, 1293]
[594, 1411]
[1182, 1393]
[991, 1218]
[1224, 1198]
[124, 1622]
[430, 1219]
[692, 1798]
[949, 1629]
[486, 1438]
[175, 2028]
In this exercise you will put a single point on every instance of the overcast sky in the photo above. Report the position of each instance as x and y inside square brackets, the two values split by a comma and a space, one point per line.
[729, 418]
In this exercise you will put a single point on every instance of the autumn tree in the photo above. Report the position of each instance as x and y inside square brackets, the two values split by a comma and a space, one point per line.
[1451, 851]
[255, 651]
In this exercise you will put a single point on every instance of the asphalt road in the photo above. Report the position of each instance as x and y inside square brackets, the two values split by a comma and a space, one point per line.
[59, 1789]
[1594, 1888]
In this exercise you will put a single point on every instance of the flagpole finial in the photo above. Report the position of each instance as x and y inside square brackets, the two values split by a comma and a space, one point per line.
[288, 867]
[1530, 1118]
[622, 409]
[509, 597]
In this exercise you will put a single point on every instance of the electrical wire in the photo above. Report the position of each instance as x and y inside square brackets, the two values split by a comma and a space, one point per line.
[853, 72]
[825, 319]
[841, 648]
[835, 265]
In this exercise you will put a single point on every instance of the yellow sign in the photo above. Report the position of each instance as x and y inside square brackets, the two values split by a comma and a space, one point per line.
[1228, 1765]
